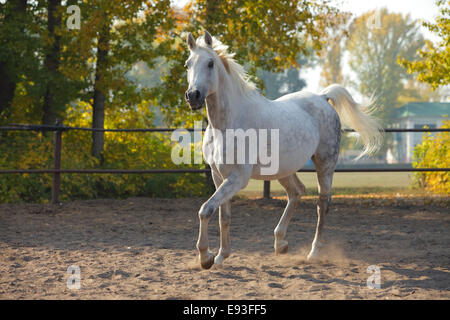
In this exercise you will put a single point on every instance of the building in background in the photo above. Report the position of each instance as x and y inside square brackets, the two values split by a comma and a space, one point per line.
[414, 115]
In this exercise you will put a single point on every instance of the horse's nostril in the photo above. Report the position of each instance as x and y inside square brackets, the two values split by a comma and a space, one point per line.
[186, 95]
[193, 95]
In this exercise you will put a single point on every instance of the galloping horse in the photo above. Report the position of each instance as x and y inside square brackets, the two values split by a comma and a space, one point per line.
[309, 127]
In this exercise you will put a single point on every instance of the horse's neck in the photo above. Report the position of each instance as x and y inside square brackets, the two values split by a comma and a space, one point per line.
[216, 111]
[225, 106]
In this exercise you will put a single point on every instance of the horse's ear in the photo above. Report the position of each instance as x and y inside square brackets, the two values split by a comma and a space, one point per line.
[191, 41]
[208, 39]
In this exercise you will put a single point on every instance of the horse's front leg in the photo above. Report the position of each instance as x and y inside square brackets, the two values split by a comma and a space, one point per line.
[227, 189]
[224, 221]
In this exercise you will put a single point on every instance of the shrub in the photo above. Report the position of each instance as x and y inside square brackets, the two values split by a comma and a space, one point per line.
[433, 152]
[30, 150]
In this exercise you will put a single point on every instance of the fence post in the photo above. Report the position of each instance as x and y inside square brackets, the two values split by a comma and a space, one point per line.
[266, 192]
[57, 137]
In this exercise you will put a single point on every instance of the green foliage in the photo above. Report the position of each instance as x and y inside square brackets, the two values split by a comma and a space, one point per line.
[20, 61]
[27, 187]
[433, 152]
[139, 34]
[143, 36]
[265, 35]
[122, 151]
[433, 67]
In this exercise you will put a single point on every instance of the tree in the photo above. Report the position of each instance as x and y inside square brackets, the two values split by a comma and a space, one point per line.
[332, 52]
[374, 49]
[34, 45]
[52, 61]
[45, 66]
[433, 67]
[332, 66]
[114, 37]
[100, 90]
[17, 50]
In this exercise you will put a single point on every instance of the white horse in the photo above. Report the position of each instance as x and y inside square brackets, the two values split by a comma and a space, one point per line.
[309, 128]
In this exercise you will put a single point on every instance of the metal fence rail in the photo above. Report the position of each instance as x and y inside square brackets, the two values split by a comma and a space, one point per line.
[151, 171]
[43, 127]
[56, 171]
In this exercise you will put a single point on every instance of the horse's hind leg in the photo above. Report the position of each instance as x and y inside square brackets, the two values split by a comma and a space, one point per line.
[294, 189]
[325, 170]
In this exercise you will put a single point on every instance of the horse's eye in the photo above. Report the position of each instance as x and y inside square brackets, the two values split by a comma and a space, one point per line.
[211, 64]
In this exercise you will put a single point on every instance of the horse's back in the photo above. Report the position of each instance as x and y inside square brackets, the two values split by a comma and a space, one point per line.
[317, 107]
[313, 104]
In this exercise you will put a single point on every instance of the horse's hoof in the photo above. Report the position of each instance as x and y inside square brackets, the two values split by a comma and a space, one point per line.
[218, 260]
[313, 256]
[281, 246]
[282, 250]
[208, 262]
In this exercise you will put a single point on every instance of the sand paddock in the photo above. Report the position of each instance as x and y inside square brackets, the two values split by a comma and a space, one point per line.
[143, 248]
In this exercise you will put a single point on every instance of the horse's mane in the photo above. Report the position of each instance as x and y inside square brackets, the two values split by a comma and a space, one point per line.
[234, 69]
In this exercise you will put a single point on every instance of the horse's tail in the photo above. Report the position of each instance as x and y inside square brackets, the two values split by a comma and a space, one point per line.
[357, 117]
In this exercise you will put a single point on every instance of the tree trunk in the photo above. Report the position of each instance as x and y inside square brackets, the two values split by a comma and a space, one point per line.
[7, 88]
[51, 62]
[7, 76]
[98, 115]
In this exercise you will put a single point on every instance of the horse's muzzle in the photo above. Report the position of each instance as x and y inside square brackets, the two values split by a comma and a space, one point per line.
[195, 99]
[196, 107]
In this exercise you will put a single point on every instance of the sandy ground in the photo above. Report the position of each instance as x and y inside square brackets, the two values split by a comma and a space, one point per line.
[144, 248]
